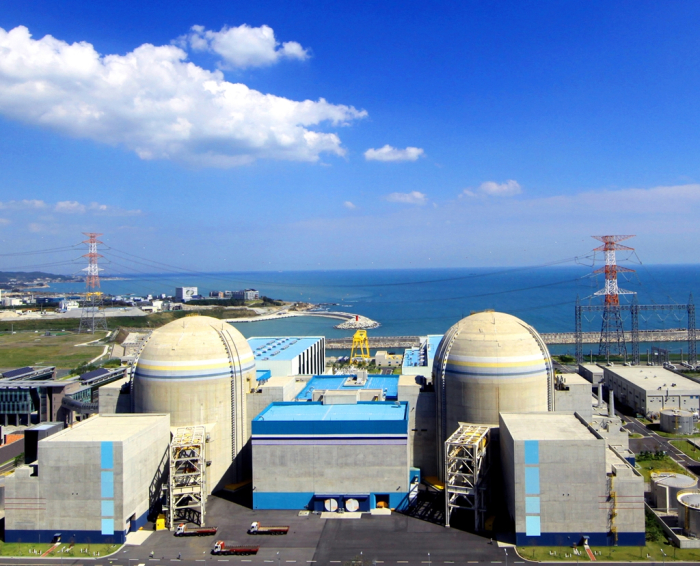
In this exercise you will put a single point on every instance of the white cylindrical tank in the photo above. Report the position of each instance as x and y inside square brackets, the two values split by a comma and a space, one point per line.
[199, 370]
[677, 421]
[665, 487]
[689, 512]
[487, 363]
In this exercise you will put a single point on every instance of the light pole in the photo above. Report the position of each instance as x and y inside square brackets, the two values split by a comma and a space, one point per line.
[278, 559]
[664, 560]
[506, 551]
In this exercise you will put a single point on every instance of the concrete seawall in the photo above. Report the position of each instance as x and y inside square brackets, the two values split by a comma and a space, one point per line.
[549, 338]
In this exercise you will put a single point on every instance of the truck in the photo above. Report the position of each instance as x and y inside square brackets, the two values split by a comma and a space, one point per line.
[184, 531]
[221, 548]
[257, 529]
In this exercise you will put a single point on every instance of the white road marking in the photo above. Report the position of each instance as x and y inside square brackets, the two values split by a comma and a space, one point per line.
[246, 560]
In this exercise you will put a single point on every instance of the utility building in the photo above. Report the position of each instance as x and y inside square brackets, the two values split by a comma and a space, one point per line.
[91, 482]
[650, 389]
[290, 355]
[564, 483]
[323, 456]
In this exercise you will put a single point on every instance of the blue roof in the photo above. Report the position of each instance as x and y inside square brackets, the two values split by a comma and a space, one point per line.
[388, 383]
[424, 355]
[368, 417]
[281, 348]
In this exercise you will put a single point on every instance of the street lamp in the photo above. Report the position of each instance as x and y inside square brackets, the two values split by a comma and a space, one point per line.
[278, 559]
[428, 559]
[506, 551]
[664, 560]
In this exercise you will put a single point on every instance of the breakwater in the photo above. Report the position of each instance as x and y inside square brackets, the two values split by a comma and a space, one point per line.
[551, 338]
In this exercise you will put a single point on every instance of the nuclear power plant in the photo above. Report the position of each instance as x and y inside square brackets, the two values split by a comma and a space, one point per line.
[477, 419]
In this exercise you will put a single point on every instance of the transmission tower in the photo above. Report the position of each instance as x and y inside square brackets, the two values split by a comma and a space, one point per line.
[92, 316]
[612, 334]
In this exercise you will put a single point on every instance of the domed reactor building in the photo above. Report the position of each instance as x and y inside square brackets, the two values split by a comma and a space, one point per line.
[486, 364]
[199, 369]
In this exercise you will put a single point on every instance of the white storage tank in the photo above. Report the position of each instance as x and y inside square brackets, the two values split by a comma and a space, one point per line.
[677, 421]
[199, 370]
[665, 487]
[487, 363]
[689, 512]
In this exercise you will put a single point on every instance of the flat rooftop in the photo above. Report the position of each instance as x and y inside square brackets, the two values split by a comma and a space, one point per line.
[316, 411]
[115, 428]
[280, 348]
[422, 356]
[546, 426]
[316, 419]
[387, 383]
[651, 378]
[575, 379]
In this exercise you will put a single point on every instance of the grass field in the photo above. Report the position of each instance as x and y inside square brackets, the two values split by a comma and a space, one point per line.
[613, 553]
[687, 448]
[29, 348]
[666, 464]
[151, 321]
[63, 551]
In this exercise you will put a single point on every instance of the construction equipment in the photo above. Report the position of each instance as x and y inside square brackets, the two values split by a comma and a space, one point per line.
[360, 347]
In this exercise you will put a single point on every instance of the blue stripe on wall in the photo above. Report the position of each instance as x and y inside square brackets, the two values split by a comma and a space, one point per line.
[106, 455]
[107, 526]
[567, 539]
[281, 500]
[532, 452]
[532, 505]
[79, 537]
[108, 508]
[532, 526]
[107, 484]
[532, 481]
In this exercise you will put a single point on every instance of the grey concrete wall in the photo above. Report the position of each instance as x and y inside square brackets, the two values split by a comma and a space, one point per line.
[576, 398]
[422, 433]
[330, 468]
[66, 493]
[507, 453]
[111, 400]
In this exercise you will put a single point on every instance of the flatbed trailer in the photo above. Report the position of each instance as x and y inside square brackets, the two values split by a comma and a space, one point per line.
[223, 549]
[257, 529]
[183, 531]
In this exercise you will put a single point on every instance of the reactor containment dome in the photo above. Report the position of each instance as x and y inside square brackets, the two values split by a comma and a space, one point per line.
[489, 363]
[199, 370]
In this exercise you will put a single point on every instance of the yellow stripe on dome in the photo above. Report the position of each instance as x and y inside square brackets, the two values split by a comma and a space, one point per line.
[183, 367]
[495, 364]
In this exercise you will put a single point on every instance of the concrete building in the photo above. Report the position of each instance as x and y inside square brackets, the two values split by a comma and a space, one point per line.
[308, 455]
[650, 389]
[563, 483]
[489, 363]
[184, 294]
[573, 394]
[199, 370]
[385, 359]
[91, 482]
[592, 372]
[246, 295]
[290, 355]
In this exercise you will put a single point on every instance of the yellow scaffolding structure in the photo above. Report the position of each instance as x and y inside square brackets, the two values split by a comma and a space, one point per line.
[360, 346]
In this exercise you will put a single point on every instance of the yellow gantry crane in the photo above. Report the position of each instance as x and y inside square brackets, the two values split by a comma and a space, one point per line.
[360, 347]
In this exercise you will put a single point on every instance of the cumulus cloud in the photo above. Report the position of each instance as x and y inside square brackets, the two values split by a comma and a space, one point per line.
[388, 153]
[157, 104]
[414, 197]
[349, 205]
[69, 207]
[491, 188]
[26, 204]
[244, 46]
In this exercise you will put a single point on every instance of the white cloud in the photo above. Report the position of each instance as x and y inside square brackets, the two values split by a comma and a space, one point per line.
[25, 204]
[70, 207]
[245, 46]
[491, 188]
[157, 104]
[349, 205]
[414, 197]
[4, 221]
[388, 153]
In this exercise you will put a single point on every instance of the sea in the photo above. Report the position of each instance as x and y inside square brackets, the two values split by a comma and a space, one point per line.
[428, 301]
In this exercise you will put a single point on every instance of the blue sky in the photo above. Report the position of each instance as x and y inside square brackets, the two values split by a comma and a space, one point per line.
[305, 135]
